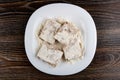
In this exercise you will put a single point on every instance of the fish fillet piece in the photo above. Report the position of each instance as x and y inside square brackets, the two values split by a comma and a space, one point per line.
[49, 55]
[72, 51]
[49, 29]
[66, 34]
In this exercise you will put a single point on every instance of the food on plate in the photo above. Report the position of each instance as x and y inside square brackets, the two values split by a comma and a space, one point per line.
[72, 51]
[49, 54]
[66, 33]
[61, 40]
[49, 29]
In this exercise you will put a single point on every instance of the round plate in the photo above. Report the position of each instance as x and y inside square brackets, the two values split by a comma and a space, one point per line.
[73, 13]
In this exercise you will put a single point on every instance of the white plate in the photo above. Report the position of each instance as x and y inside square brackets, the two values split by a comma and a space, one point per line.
[77, 15]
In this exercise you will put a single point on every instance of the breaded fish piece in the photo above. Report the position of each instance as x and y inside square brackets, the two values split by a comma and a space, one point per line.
[49, 55]
[72, 51]
[66, 34]
[49, 29]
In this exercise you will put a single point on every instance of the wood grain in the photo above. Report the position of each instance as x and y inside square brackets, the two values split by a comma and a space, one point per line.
[14, 64]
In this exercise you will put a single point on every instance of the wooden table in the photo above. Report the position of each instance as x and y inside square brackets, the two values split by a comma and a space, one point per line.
[14, 64]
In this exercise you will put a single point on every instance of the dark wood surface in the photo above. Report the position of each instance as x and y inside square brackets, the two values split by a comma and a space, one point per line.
[14, 64]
